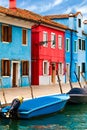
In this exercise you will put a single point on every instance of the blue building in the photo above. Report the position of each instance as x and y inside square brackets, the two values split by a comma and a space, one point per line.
[75, 44]
[85, 37]
[71, 54]
[15, 47]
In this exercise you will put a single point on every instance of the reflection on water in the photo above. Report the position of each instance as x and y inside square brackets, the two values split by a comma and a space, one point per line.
[73, 117]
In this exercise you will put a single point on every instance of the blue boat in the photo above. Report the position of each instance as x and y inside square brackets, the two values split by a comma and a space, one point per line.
[40, 106]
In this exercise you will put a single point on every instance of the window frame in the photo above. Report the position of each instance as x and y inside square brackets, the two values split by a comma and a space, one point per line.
[6, 33]
[60, 40]
[5, 67]
[83, 45]
[68, 50]
[25, 64]
[79, 23]
[53, 40]
[79, 44]
[60, 68]
[45, 39]
[24, 37]
[75, 46]
[47, 67]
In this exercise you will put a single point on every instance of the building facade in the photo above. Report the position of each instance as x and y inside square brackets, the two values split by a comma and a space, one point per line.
[15, 46]
[48, 54]
[77, 54]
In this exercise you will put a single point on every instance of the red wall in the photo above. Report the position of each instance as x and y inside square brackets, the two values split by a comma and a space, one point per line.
[40, 53]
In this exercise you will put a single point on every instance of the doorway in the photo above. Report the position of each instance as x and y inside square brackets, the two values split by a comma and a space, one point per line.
[15, 74]
[53, 73]
[67, 72]
[79, 73]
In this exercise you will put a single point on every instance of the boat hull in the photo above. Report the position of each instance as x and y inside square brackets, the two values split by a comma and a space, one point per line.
[40, 106]
[44, 111]
[78, 95]
[78, 98]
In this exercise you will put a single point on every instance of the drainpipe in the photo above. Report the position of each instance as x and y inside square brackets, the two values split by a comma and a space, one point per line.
[71, 51]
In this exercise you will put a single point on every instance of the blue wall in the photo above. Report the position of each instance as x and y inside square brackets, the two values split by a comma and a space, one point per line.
[15, 51]
[71, 56]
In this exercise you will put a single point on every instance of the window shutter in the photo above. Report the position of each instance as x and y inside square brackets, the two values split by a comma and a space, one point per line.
[22, 67]
[24, 36]
[2, 36]
[10, 34]
[0, 32]
[2, 67]
[27, 68]
[8, 70]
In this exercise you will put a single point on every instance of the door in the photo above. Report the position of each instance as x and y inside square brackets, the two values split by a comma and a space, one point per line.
[67, 72]
[15, 75]
[53, 73]
[79, 73]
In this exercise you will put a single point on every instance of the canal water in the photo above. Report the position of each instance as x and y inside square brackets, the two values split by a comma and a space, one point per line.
[73, 117]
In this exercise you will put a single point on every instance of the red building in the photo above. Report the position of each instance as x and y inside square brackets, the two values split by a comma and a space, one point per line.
[48, 52]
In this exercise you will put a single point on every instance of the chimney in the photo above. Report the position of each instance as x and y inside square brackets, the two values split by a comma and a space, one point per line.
[12, 4]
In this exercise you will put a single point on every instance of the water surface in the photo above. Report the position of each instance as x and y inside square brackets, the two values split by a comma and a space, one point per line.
[73, 117]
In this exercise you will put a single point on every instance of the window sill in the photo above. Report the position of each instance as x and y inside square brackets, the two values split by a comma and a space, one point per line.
[5, 76]
[25, 45]
[53, 47]
[45, 45]
[5, 42]
[24, 75]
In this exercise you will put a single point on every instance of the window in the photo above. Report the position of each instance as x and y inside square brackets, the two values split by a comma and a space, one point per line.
[83, 67]
[60, 68]
[67, 45]
[45, 38]
[6, 33]
[79, 23]
[75, 46]
[45, 67]
[5, 67]
[60, 42]
[79, 43]
[53, 40]
[24, 36]
[25, 68]
[83, 44]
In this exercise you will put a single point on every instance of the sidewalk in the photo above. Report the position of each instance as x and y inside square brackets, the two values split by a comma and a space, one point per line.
[11, 93]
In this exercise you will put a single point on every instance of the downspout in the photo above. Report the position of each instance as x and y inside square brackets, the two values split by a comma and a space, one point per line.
[71, 51]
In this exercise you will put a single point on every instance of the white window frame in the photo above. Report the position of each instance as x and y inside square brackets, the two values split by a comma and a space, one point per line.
[68, 44]
[60, 39]
[47, 67]
[53, 39]
[45, 38]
